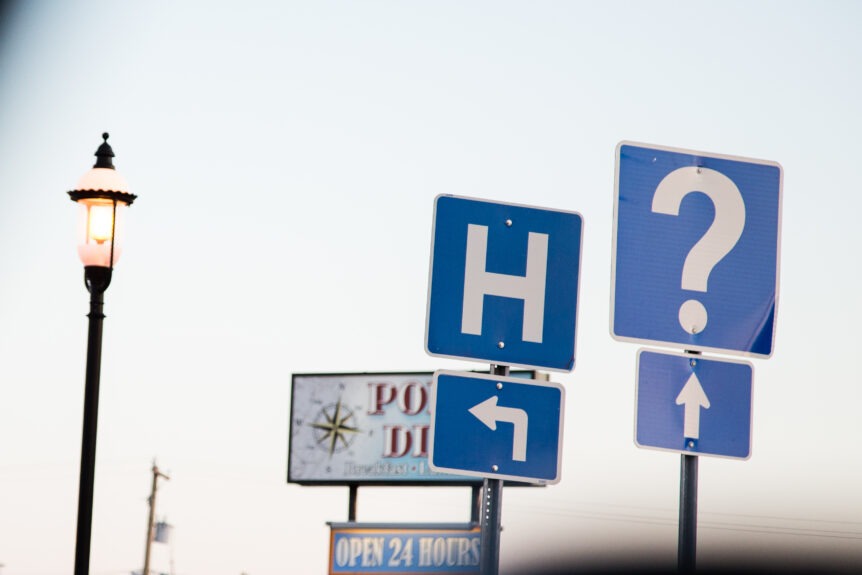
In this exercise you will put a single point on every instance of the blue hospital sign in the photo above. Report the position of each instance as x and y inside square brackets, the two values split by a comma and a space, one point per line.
[504, 283]
[696, 244]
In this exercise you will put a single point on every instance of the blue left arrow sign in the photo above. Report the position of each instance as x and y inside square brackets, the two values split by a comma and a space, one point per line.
[496, 427]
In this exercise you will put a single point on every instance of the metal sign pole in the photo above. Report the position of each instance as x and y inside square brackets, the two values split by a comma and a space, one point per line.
[492, 512]
[687, 513]
[352, 497]
[490, 541]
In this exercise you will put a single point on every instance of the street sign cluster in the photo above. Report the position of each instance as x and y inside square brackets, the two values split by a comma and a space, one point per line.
[695, 266]
[503, 289]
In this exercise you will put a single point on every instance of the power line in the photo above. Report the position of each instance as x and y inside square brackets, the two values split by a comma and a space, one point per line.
[667, 517]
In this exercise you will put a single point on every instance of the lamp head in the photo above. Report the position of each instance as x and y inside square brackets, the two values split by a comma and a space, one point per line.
[103, 196]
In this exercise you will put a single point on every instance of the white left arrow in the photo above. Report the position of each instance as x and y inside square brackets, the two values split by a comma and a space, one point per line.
[489, 413]
[693, 396]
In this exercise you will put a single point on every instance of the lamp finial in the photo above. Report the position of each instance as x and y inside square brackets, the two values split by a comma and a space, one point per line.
[104, 154]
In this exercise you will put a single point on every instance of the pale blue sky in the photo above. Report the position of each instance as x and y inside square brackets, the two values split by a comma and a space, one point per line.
[286, 156]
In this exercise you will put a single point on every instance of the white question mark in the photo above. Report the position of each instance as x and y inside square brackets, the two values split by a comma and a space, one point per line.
[718, 240]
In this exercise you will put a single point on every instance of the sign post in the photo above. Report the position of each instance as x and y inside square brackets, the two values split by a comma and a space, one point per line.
[492, 515]
[687, 548]
[503, 289]
[500, 428]
[692, 405]
[695, 266]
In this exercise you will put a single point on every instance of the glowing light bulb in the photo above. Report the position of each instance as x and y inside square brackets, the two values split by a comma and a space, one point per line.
[100, 223]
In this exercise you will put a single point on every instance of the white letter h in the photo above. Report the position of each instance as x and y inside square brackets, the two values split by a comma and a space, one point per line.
[478, 283]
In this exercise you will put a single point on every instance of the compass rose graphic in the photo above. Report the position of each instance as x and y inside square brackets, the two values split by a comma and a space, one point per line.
[333, 430]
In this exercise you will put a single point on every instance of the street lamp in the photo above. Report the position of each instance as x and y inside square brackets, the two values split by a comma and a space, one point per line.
[102, 196]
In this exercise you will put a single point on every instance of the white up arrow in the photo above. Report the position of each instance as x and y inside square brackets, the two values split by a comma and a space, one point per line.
[489, 413]
[693, 396]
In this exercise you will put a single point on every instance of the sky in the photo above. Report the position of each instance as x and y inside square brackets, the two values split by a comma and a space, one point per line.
[286, 157]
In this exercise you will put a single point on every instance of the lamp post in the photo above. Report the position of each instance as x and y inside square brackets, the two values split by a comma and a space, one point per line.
[102, 196]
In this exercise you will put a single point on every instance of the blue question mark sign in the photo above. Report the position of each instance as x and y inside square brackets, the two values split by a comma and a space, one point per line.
[696, 250]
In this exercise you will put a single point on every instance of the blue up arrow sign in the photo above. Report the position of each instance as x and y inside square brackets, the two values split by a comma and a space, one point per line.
[496, 427]
[692, 405]
[504, 282]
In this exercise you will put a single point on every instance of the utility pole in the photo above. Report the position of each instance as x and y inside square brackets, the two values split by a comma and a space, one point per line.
[156, 475]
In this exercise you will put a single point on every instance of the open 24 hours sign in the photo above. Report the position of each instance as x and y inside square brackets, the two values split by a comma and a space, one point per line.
[370, 548]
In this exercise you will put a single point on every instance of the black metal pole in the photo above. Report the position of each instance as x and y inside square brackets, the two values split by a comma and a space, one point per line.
[491, 527]
[492, 513]
[687, 513]
[352, 496]
[97, 280]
